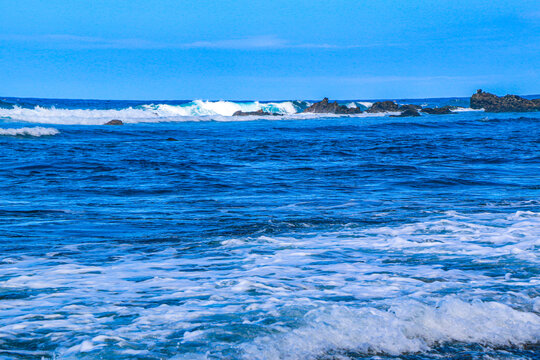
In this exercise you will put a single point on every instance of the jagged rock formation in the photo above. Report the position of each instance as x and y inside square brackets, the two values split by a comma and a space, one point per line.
[438, 110]
[409, 106]
[256, 113]
[507, 103]
[407, 112]
[383, 106]
[114, 122]
[326, 107]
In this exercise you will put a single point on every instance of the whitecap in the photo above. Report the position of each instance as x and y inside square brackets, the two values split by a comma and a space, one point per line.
[344, 287]
[408, 327]
[197, 110]
[462, 109]
[27, 131]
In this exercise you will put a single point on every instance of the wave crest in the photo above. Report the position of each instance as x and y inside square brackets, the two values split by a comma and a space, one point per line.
[197, 110]
[406, 328]
[33, 131]
[193, 111]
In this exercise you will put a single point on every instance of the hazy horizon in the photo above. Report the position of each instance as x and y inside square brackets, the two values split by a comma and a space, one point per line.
[265, 100]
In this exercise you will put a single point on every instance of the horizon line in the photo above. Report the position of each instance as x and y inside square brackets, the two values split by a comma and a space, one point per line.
[253, 100]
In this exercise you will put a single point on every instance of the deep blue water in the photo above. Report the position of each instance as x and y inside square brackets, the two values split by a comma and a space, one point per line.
[296, 238]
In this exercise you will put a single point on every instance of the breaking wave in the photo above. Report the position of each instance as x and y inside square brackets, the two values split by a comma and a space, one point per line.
[468, 109]
[313, 302]
[33, 131]
[197, 110]
[409, 327]
[359, 104]
[225, 108]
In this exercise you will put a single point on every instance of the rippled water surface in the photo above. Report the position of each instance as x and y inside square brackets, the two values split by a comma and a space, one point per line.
[323, 238]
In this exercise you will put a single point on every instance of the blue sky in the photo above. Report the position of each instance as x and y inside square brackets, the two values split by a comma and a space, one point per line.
[268, 49]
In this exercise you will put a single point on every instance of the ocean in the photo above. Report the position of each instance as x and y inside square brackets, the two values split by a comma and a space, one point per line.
[188, 233]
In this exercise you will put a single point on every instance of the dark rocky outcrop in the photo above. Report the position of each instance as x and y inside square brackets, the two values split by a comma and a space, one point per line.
[507, 103]
[326, 107]
[171, 139]
[407, 112]
[383, 106]
[256, 113]
[438, 110]
[114, 122]
[409, 106]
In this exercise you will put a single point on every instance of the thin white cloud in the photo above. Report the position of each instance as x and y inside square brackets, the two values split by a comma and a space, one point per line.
[259, 42]
[254, 42]
[75, 41]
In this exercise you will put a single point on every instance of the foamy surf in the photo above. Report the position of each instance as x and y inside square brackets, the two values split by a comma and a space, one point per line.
[468, 109]
[197, 110]
[159, 113]
[410, 327]
[385, 308]
[223, 108]
[29, 131]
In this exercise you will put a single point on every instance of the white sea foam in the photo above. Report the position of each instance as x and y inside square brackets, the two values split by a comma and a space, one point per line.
[198, 110]
[223, 108]
[26, 131]
[367, 104]
[53, 115]
[378, 289]
[462, 109]
[363, 104]
[408, 327]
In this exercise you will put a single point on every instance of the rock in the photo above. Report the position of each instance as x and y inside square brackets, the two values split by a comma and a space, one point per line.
[507, 103]
[438, 110]
[256, 113]
[383, 106]
[114, 122]
[326, 107]
[408, 112]
[171, 139]
[409, 106]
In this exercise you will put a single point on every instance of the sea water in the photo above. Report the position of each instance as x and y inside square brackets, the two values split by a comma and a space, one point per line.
[279, 237]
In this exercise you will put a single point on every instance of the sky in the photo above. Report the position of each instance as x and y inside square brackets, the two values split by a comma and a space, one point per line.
[268, 50]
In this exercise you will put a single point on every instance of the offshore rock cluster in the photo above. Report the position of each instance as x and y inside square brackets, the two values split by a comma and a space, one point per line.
[507, 103]
[480, 100]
